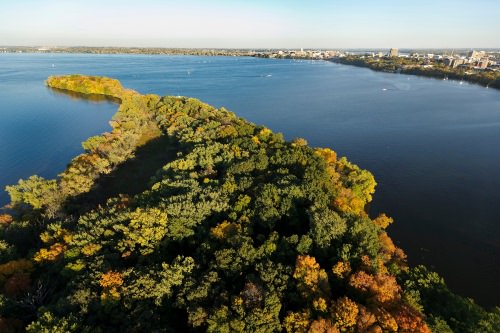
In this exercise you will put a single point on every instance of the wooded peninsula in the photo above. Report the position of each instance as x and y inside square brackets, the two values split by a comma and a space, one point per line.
[188, 218]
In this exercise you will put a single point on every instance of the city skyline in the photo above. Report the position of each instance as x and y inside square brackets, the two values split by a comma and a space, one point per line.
[259, 24]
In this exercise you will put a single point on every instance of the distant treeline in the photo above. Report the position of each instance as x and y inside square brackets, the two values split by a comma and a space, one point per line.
[134, 50]
[411, 66]
[241, 231]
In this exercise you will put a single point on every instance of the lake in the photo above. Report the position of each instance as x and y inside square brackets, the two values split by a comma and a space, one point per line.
[432, 145]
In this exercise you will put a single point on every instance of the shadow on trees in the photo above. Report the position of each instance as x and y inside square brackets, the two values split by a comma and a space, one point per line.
[130, 178]
[81, 97]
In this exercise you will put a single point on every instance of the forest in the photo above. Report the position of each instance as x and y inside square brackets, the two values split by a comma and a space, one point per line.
[229, 228]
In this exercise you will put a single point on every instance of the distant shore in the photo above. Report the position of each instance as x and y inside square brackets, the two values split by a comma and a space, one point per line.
[308, 54]
[130, 50]
[487, 79]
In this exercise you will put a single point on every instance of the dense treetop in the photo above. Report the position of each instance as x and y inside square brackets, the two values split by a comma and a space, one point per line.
[239, 231]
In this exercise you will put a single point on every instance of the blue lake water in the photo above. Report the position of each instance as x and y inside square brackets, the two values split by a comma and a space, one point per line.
[433, 146]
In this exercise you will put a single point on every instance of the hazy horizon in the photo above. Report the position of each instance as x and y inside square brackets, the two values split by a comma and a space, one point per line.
[252, 48]
[237, 24]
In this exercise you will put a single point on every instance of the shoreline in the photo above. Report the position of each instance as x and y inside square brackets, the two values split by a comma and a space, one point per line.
[436, 73]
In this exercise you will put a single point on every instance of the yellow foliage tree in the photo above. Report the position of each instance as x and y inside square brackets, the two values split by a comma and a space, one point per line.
[386, 320]
[328, 155]
[91, 249]
[60, 237]
[312, 280]
[345, 312]
[320, 304]
[383, 221]
[297, 322]
[53, 253]
[225, 229]
[346, 201]
[341, 269]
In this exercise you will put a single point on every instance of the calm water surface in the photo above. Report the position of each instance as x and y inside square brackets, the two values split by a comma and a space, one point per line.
[433, 145]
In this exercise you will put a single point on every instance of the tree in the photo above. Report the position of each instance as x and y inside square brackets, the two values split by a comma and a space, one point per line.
[326, 226]
[36, 192]
[345, 313]
[311, 279]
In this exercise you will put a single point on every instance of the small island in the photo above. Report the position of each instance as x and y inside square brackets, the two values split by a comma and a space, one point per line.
[188, 218]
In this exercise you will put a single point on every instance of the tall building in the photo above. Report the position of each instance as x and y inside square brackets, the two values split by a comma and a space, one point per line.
[483, 63]
[457, 62]
[476, 55]
[393, 52]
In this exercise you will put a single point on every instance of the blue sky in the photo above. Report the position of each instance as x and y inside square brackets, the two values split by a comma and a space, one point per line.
[252, 23]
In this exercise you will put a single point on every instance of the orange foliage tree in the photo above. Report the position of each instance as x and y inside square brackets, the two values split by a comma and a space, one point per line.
[5, 219]
[323, 325]
[381, 288]
[15, 276]
[409, 320]
[111, 282]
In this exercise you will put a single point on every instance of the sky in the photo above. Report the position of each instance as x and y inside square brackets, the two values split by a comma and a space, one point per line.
[329, 24]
